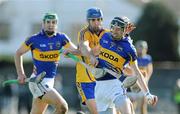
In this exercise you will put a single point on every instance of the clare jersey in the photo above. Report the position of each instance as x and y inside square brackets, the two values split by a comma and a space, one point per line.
[45, 51]
[82, 74]
[115, 54]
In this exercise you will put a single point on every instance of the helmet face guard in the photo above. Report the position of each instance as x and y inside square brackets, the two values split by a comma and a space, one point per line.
[118, 22]
[94, 13]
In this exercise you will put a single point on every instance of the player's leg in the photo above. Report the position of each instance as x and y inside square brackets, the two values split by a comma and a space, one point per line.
[80, 112]
[104, 98]
[44, 93]
[55, 99]
[118, 112]
[91, 104]
[38, 106]
[143, 106]
[135, 99]
[108, 111]
[123, 104]
[86, 91]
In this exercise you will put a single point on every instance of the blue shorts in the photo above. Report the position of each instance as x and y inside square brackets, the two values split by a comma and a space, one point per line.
[86, 90]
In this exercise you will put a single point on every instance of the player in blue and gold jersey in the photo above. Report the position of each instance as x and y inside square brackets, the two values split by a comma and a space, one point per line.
[45, 47]
[144, 59]
[146, 67]
[117, 50]
[88, 38]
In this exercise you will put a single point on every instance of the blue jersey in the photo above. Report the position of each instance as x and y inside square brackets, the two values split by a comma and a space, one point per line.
[144, 61]
[45, 51]
[115, 54]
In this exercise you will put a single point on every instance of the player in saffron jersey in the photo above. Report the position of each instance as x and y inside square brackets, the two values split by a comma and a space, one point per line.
[44, 47]
[116, 50]
[88, 39]
[146, 68]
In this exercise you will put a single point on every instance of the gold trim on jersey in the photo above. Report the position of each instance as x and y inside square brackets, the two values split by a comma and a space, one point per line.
[27, 47]
[131, 60]
[46, 56]
[112, 57]
[82, 33]
[81, 92]
[67, 45]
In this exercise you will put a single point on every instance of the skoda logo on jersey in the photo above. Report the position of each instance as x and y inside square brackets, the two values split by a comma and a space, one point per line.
[109, 56]
[49, 56]
[42, 45]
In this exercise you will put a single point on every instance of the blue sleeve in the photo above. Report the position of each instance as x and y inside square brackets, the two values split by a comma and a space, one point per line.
[65, 40]
[149, 59]
[132, 53]
[29, 42]
[104, 36]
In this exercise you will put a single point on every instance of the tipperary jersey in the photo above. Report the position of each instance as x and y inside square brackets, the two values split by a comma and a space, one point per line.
[115, 54]
[45, 51]
[82, 74]
[143, 62]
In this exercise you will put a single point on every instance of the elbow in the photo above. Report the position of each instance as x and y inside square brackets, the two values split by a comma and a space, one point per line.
[18, 53]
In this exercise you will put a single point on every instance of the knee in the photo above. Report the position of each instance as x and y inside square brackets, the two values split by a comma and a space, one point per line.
[124, 105]
[62, 109]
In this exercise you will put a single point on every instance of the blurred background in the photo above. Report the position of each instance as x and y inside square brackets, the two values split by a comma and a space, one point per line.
[157, 22]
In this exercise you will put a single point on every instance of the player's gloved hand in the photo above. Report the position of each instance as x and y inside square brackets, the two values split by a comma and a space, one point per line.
[93, 60]
[151, 99]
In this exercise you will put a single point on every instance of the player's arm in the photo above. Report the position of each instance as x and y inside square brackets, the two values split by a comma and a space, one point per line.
[149, 71]
[84, 48]
[96, 50]
[127, 71]
[71, 48]
[87, 51]
[19, 62]
[140, 76]
[152, 99]
[83, 45]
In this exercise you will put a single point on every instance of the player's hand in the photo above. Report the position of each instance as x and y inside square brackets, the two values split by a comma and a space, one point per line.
[66, 52]
[93, 60]
[96, 50]
[130, 28]
[21, 78]
[151, 99]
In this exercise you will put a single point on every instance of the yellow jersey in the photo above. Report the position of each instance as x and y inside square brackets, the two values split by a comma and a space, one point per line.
[85, 34]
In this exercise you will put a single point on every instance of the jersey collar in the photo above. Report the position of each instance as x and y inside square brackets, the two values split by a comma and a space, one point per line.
[43, 33]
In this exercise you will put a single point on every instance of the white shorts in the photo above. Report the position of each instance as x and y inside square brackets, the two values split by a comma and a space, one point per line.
[106, 92]
[41, 88]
